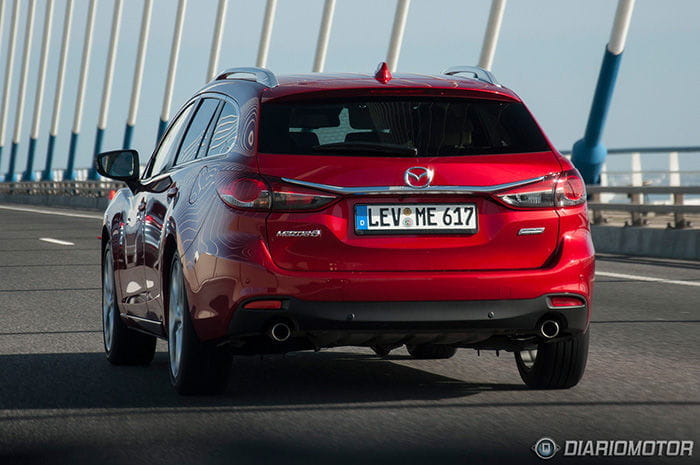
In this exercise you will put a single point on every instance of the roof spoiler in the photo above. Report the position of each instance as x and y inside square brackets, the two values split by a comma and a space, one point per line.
[478, 73]
[262, 75]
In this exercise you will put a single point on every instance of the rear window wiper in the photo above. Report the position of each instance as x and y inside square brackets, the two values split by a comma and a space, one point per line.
[374, 147]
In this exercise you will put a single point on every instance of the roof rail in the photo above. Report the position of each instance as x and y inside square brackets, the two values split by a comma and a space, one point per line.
[479, 73]
[262, 75]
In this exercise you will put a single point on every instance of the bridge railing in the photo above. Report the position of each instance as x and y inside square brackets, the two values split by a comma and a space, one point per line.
[638, 207]
[639, 175]
[85, 188]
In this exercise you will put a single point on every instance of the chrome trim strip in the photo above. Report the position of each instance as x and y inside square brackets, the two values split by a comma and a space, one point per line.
[530, 231]
[143, 320]
[382, 190]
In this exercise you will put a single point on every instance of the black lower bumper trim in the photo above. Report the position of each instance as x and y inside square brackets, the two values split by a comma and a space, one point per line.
[365, 323]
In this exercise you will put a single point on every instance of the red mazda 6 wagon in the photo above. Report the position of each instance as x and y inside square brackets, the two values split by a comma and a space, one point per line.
[310, 211]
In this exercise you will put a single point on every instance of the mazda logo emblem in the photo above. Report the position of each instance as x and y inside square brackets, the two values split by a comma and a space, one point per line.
[418, 177]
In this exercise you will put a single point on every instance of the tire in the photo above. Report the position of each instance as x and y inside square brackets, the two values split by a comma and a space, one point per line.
[554, 365]
[123, 346]
[431, 351]
[195, 367]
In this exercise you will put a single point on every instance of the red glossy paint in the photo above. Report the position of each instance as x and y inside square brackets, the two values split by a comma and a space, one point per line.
[236, 244]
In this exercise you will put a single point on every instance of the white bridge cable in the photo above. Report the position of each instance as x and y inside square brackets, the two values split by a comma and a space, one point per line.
[9, 64]
[216, 39]
[39, 96]
[109, 69]
[266, 33]
[61, 76]
[324, 34]
[397, 32]
[493, 30]
[84, 67]
[140, 61]
[174, 56]
[21, 94]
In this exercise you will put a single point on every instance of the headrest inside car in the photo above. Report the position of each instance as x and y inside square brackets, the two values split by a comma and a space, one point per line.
[309, 117]
[361, 118]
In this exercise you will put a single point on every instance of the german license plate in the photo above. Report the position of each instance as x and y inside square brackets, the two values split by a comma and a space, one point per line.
[416, 219]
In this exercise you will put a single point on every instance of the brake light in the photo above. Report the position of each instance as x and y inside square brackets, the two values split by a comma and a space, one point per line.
[290, 197]
[571, 190]
[563, 190]
[255, 193]
[246, 192]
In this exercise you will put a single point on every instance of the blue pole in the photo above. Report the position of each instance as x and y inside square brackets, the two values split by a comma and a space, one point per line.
[128, 134]
[47, 174]
[589, 153]
[82, 84]
[99, 136]
[19, 112]
[161, 129]
[10, 176]
[29, 174]
[70, 168]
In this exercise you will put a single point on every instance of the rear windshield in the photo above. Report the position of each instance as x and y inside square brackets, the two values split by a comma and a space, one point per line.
[385, 126]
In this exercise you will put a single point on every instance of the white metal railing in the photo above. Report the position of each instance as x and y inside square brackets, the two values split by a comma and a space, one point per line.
[638, 173]
[638, 206]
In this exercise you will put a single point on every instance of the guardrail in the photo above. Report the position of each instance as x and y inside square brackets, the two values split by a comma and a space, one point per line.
[637, 208]
[637, 175]
[91, 189]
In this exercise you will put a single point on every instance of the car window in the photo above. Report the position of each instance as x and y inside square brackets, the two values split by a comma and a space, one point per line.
[164, 155]
[384, 125]
[226, 131]
[194, 136]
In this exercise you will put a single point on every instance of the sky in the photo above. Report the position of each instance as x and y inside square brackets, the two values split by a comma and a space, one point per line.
[549, 52]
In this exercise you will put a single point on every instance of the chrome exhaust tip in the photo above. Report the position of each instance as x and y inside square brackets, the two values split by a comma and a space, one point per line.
[549, 329]
[279, 332]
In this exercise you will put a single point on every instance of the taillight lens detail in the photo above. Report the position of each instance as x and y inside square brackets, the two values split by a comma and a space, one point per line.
[246, 192]
[563, 190]
[536, 195]
[289, 197]
[571, 190]
[255, 193]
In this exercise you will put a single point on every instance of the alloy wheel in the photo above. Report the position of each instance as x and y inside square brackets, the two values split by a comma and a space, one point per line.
[175, 321]
[108, 302]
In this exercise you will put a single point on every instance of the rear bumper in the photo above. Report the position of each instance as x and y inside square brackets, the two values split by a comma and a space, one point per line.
[488, 323]
[220, 284]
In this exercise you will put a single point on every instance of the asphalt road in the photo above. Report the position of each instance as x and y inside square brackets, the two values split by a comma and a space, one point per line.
[62, 402]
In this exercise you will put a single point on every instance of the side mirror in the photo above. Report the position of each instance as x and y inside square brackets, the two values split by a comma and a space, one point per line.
[122, 165]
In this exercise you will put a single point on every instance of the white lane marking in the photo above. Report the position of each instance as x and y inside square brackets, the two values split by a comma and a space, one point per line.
[635, 277]
[50, 212]
[55, 241]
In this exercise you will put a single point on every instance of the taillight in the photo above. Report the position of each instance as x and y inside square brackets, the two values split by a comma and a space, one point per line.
[290, 197]
[256, 193]
[246, 192]
[563, 190]
[571, 190]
